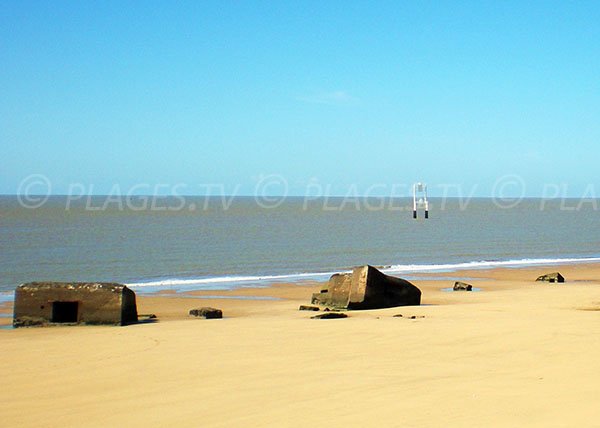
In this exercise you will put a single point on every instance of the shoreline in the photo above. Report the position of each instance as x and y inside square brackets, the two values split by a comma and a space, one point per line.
[408, 270]
[435, 286]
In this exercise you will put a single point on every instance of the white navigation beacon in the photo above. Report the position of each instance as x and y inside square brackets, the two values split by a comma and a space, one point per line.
[420, 189]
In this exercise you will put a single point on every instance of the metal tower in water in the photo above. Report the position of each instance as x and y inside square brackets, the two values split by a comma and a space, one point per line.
[420, 189]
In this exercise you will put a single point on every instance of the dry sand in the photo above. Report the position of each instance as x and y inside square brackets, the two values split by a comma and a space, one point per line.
[518, 353]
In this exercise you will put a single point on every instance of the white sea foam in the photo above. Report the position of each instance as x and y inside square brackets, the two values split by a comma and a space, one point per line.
[483, 264]
[227, 282]
[176, 282]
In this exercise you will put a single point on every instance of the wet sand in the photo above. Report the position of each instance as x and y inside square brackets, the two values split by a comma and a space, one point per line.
[516, 353]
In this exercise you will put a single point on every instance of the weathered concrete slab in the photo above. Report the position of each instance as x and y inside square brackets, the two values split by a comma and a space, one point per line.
[309, 308]
[206, 312]
[367, 288]
[329, 316]
[55, 303]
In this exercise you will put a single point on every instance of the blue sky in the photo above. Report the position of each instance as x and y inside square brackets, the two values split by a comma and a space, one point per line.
[344, 94]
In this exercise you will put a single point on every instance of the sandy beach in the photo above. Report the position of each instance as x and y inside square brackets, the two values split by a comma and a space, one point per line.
[516, 353]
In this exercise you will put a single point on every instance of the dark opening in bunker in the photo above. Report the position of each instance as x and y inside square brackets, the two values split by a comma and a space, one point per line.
[65, 311]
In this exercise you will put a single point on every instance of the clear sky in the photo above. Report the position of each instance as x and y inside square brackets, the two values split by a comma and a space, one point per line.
[340, 94]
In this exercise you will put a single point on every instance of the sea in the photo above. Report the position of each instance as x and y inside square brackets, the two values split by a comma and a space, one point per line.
[212, 243]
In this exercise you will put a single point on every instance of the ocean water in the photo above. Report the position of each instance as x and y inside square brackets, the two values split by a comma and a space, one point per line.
[216, 243]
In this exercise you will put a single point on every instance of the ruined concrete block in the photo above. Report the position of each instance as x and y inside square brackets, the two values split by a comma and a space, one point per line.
[367, 288]
[206, 312]
[462, 286]
[551, 277]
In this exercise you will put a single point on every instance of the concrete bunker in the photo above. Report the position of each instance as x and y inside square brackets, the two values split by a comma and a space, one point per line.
[49, 303]
[367, 288]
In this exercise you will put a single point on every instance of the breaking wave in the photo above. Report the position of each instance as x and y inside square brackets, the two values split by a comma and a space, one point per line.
[229, 282]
